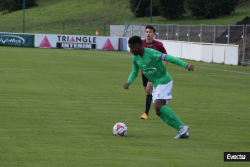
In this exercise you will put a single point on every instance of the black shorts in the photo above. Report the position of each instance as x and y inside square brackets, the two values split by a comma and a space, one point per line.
[144, 80]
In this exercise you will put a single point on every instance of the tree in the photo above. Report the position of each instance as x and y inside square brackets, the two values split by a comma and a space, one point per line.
[144, 8]
[211, 8]
[14, 5]
[171, 9]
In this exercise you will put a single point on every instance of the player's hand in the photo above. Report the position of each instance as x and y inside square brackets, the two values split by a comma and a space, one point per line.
[190, 67]
[126, 85]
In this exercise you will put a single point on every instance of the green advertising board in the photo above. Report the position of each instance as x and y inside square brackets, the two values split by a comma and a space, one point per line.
[23, 40]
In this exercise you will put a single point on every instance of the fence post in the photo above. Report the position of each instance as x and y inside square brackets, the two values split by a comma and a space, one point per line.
[23, 15]
[216, 28]
[228, 36]
[158, 31]
[177, 34]
[125, 31]
[167, 31]
[214, 32]
[188, 32]
[172, 33]
[201, 34]
[244, 36]
[140, 30]
[132, 32]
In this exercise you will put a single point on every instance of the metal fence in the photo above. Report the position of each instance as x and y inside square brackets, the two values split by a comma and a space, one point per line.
[222, 34]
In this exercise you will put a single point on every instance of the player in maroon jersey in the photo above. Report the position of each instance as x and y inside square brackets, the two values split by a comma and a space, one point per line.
[149, 42]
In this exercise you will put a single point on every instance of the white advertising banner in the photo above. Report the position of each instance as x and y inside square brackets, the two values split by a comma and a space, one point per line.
[218, 53]
[128, 48]
[231, 54]
[188, 51]
[196, 52]
[107, 43]
[173, 48]
[206, 52]
[65, 41]
[76, 42]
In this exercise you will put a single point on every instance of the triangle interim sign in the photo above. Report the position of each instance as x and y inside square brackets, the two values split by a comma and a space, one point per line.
[45, 43]
[108, 45]
[72, 40]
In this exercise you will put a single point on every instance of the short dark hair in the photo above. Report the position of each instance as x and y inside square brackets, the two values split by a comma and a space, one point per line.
[150, 27]
[135, 40]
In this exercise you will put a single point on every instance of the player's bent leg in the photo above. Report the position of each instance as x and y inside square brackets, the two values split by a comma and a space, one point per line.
[161, 96]
[167, 115]
[144, 82]
[158, 105]
[147, 106]
[149, 88]
[148, 97]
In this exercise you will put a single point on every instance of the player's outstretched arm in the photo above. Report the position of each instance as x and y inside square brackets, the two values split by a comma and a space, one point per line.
[190, 67]
[126, 85]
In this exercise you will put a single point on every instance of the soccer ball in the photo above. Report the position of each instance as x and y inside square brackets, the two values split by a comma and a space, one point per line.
[120, 129]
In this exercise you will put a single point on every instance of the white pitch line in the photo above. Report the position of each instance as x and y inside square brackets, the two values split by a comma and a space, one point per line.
[223, 70]
[198, 75]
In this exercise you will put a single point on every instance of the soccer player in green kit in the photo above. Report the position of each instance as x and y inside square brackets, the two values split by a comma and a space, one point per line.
[150, 63]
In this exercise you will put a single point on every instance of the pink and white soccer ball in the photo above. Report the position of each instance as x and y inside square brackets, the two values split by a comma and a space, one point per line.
[120, 129]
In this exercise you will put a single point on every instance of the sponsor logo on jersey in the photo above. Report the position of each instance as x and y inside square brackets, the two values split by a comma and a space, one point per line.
[149, 70]
[157, 55]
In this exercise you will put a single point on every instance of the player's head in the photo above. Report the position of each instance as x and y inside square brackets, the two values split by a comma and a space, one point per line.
[149, 33]
[135, 44]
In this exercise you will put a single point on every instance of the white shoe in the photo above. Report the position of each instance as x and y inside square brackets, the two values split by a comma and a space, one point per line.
[183, 130]
[185, 135]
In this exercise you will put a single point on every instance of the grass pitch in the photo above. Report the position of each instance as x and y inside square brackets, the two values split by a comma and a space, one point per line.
[58, 108]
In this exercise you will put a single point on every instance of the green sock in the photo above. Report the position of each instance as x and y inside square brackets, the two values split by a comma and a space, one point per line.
[169, 117]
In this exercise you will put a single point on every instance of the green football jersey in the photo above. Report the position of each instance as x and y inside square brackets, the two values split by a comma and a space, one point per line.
[152, 66]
